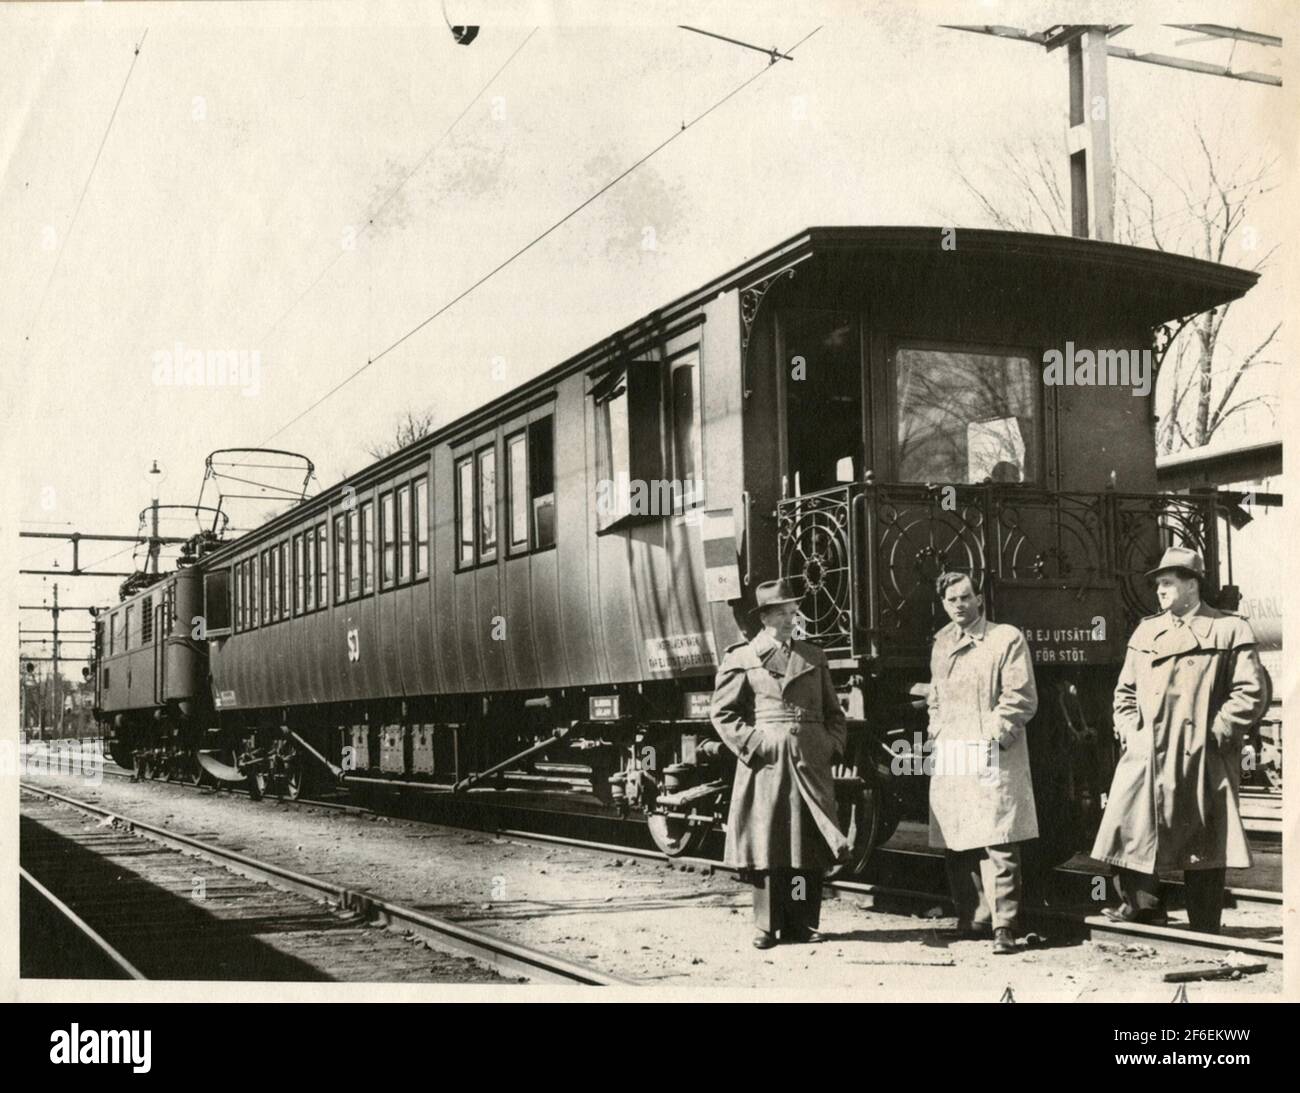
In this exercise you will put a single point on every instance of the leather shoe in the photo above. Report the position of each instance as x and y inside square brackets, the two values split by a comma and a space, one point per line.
[1003, 942]
[1152, 916]
[804, 936]
[763, 940]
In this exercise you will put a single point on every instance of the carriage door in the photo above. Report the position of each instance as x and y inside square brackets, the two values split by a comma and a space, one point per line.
[819, 354]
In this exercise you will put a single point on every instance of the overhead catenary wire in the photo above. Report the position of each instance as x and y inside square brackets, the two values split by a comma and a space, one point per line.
[392, 193]
[63, 242]
[528, 246]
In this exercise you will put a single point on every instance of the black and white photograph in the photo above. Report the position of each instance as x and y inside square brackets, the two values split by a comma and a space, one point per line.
[629, 502]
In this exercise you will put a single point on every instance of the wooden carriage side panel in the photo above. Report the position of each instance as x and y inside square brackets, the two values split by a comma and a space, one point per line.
[333, 648]
[722, 437]
[579, 608]
[518, 645]
[761, 446]
[1105, 428]
[489, 627]
[439, 655]
[391, 607]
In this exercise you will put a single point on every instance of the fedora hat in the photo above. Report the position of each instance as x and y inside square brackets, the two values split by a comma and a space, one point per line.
[1180, 558]
[772, 593]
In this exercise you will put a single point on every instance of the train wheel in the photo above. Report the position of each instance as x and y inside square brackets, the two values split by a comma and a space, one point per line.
[291, 784]
[675, 835]
[194, 773]
[860, 798]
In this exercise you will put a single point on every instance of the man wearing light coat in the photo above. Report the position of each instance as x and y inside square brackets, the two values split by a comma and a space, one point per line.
[1190, 685]
[982, 694]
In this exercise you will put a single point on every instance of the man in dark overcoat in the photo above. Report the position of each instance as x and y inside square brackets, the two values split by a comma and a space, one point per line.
[1190, 686]
[775, 706]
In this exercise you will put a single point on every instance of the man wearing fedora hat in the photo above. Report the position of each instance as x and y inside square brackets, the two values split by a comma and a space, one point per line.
[1190, 685]
[775, 706]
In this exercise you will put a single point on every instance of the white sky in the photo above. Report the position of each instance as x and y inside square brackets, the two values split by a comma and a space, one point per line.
[252, 137]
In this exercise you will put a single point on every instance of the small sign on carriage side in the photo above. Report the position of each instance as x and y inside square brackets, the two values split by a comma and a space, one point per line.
[680, 652]
[721, 568]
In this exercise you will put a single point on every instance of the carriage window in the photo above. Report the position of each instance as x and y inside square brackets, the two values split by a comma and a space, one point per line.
[541, 481]
[309, 569]
[465, 512]
[420, 518]
[367, 546]
[340, 558]
[114, 622]
[241, 595]
[965, 417]
[487, 504]
[517, 489]
[530, 487]
[688, 489]
[146, 620]
[404, 533]
[630, 462]
[286, 579]
[254, 590]
[387, 542]
[354, 553]
[273, 569]
[298, 575]
[127, 628]
[322, 566]
[613, 455]
[216, 601]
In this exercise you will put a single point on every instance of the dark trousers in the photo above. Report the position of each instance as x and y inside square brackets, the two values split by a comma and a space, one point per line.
[787, 900]
[1203, 889]
[985, 885]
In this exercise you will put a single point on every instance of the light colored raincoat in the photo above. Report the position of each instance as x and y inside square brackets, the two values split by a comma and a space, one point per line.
[1185, 694]
[982, 693]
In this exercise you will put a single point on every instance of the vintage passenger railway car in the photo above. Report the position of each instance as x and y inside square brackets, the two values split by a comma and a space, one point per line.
[535, 596]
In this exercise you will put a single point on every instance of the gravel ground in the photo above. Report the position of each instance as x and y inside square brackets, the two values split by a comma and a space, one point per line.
[663, 924]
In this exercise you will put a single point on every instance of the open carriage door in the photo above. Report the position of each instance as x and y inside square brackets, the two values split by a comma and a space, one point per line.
[820, 381]
[820, 389]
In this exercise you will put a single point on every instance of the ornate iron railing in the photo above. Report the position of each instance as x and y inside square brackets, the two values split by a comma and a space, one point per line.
[866, 556]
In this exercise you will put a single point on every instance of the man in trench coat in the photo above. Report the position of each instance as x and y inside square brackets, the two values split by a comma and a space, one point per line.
[775, 706]
[982, 693]
[1190, 685]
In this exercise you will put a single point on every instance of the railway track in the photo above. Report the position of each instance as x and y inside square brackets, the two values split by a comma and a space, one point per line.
[907, 884]
[891, 863]
[132, 892]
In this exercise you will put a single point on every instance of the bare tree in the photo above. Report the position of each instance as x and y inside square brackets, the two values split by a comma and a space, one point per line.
[410, 427]
[1214, 211]
[1209, 218]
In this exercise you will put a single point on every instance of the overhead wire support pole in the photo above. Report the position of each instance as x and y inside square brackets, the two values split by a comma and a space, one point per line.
[1126, 54]
[1214, 30]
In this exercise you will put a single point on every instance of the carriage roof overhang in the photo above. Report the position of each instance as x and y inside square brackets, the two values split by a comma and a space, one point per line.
[1150, 286]
[1033, 270]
